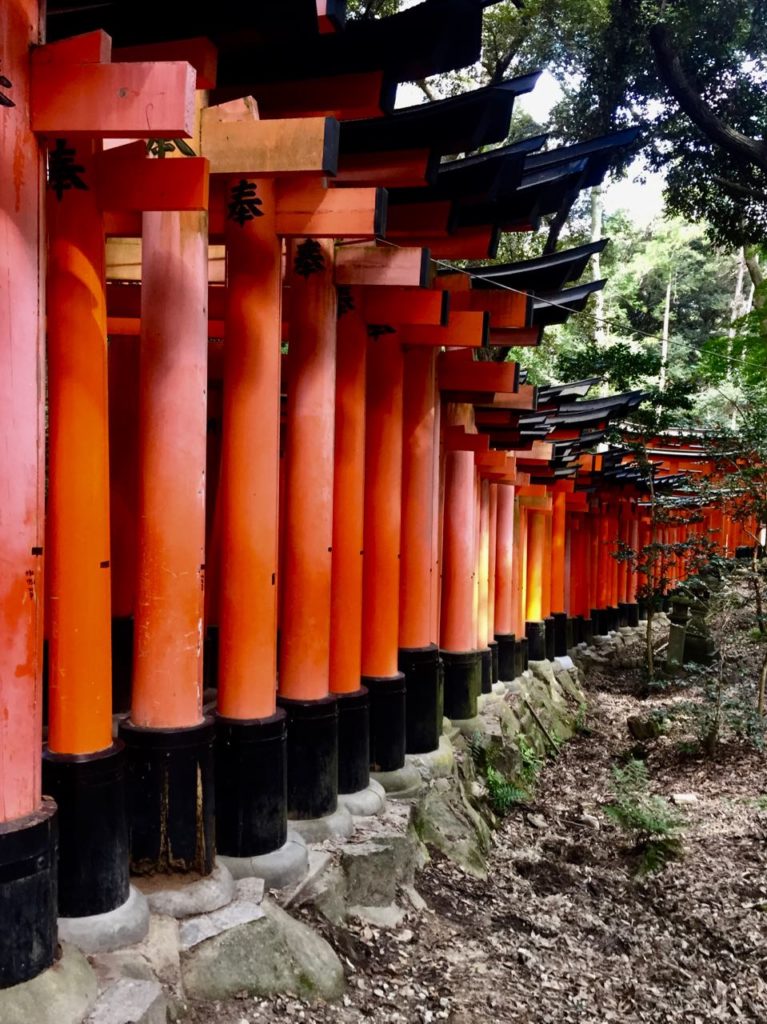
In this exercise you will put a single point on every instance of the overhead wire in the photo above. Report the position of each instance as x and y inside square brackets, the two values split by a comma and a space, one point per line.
[445, 264]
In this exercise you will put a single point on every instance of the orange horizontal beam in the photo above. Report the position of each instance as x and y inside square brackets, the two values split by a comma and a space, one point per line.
[237, 142]
[381, 265]
[400, 169]
[466, 244]
[308, 208]
[426, 220]
[197, 51]
[467, 330]
[457, 371]
[129, 180]
[527, 337]
[112, 101]
[506, 309]
[344, 97]
[522, 398]
[457, 439]
[404, 305]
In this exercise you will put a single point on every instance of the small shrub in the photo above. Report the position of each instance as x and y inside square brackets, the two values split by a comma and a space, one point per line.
[651, 820]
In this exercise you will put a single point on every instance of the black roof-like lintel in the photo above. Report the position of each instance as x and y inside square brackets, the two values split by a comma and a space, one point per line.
[457, 124]
[557, 308]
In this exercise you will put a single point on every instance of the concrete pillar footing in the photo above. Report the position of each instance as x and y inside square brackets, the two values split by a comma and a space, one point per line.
[366, 802]
[279, 868]
[434, 764]
[338, 824]
[103, 933]
[61, 994]
[401, 784]
[181, 896]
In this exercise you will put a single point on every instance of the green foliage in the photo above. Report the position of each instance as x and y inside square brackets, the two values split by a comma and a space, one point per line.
[503, 794]
[651, 821]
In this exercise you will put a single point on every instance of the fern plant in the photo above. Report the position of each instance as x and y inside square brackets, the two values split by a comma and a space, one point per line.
[651, 820]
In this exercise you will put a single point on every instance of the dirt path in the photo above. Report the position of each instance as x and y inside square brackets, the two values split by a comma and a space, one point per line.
[562, 931]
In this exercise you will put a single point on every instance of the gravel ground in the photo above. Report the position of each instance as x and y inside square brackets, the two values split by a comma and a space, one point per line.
[564, 930]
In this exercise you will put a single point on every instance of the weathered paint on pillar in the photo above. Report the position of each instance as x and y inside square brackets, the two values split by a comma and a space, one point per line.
[558, 516]
[457, 631]
[78, 598]
[504, 560]
[309, 440]
[22, 389]
[348, 500]
[248, 489]
[173, 372]
[383, 507]
[536, 546]
[491, 561]
[418, 458]
[483, 627]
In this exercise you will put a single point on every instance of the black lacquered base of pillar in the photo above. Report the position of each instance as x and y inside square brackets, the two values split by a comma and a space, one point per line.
[560, 634]
[169, 796]
[613, 618]
[506, 660]
[588, 631]
[521, 658]
[623, 614]
[122, 663]
[599, 622]
[569, 634]
[642, 609]
[463, 682]
[494, 676]
[353, 740]
[632, 614]
[28, 903]
[89, 790]
[549, 640]
[486, 661]
[251, 785]
[387, 721]
[578, 637]
[312, 756]
[535, 633]
[424, 697]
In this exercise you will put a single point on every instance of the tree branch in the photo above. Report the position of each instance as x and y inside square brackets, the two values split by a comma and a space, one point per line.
[716, 130]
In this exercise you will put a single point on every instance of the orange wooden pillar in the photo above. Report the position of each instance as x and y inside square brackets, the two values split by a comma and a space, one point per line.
[536, 579]
[463, 671]
[348, 526]
[123, 387]
[624, 537]
[603, 572]
[304, 675]
[492, 643]
[382, 540]
[504, 565]
[83, 768]
[169, 742]
[418, 656]
[483, 583]
[251, 802]
[519, 584]
[557, 611]
[27, 821]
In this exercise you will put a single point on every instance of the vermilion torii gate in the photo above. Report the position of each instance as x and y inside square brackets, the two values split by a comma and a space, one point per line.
[382, 522]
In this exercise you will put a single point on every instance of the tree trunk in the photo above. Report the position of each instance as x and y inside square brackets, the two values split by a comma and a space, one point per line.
[756, 274]
[600, 328]
[649, 642]
[762, 685]
[664, 339]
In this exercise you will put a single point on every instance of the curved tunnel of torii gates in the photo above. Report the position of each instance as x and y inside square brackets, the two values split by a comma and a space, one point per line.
[281, 519]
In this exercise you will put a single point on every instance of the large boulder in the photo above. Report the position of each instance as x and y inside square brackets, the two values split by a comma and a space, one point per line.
[271, 955]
